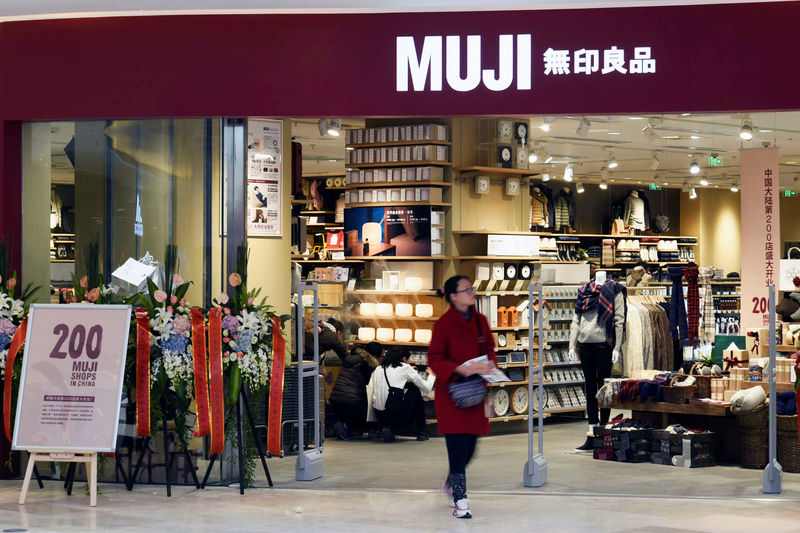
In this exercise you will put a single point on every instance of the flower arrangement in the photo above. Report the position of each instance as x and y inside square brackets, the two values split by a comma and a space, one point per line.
[90, 288]
[13, 304]
[171, 368]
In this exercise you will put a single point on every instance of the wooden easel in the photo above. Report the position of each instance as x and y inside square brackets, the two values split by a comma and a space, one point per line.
[90, 458]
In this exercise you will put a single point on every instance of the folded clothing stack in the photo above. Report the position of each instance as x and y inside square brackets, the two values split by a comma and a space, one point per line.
[669, 256]
[594, 251]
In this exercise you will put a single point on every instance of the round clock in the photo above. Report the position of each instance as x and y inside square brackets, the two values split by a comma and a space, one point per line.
[535, 399]
[498, 269]
[525, 272]
[501, 402]
[522, 131]
[506, 129]
[511, 271]
[505, 154]
[519, 400]
[522, 156]
[483, 186]
[501, 340]
[512, 187]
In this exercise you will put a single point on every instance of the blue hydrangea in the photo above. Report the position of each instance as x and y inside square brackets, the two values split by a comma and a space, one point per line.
[5, 341]
[244, 341]
[175, 343]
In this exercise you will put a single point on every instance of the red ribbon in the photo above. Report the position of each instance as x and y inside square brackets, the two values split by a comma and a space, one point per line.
[200, 363]
[16, 344]
[276, 389]
[732, 361]
[142, 372]
[217, 399]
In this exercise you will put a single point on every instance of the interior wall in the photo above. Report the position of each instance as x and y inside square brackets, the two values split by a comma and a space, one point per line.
[715, 217]
[790, 222]
[269, 266]
[36, 208]
[90, 171]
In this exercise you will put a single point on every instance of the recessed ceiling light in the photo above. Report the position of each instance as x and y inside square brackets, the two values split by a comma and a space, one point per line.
[765, 131]
[685, 114]
[791, 162]
[613, 133]
[694, 137]
[635, 118]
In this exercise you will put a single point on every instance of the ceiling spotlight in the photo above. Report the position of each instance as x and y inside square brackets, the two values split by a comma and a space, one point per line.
[323, 126]
[583, 127]
[704, 181]
[580, 188]
[734, 188]
[685, 187]
[568, 173]
[694, 168]
[546, 176]
[335, 127]
[692, 194]
[612, 161]
[650, 133]
[746, 132]
[655, 160]
[604, 185]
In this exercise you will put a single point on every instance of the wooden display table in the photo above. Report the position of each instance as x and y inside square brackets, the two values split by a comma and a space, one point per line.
[714, 417]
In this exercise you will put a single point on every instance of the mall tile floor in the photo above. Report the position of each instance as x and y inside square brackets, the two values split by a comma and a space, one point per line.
[395, 487]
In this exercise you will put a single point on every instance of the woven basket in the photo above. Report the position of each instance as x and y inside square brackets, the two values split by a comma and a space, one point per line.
[703, 382]
[789, 451]
[755, 448]
[674, 394]
[755, 419]
[787, 424]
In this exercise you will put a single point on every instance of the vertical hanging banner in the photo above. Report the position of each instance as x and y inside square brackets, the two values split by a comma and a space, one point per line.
[264, 160]
[761, 234]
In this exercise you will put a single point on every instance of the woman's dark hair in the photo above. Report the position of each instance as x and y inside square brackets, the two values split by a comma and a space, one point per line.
[336, 324]
[451, 287]
[375, 349]
[395, 355]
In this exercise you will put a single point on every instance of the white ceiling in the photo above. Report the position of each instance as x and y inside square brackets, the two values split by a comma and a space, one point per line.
[25, 9]
[681, 138]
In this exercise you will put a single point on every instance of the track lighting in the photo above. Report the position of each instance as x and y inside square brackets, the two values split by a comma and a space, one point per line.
[332, 127]
[568, 173]
[704, 181]
[734, 188]
[694, 168]
[580, 188]
[746, 132]
[685, 187]
[655, 160]
[604, 184]
[583, 127]
[650, 133]
[692, 194]
[612, 161]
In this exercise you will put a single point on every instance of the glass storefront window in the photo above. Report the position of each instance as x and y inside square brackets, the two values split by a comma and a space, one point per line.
[133, 186]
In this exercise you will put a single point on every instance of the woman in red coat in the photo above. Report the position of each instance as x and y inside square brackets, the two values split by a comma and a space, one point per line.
[457, 337]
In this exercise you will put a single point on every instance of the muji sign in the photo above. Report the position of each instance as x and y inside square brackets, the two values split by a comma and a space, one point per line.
[440, 59]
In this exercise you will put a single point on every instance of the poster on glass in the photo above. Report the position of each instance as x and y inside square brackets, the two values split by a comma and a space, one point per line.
[264, 178]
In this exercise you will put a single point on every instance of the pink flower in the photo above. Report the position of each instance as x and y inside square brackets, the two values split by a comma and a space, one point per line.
[1, 279]
[174, 299]
[182, 302]
[240, 354]
[227, 311]
[84, 282]
[11, 283]
[177, 279]
[250, 301]
[160, 296]
[93, 295]
[235, 279]
[226, 339]
[170, 309]
[223, 298]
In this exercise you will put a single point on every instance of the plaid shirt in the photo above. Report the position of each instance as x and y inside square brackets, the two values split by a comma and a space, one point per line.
[709, 331]
[692, 303]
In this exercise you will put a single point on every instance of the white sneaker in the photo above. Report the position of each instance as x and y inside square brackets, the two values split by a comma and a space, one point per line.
[462, 509]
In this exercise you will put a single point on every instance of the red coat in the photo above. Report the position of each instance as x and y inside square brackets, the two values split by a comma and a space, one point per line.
[455, 341]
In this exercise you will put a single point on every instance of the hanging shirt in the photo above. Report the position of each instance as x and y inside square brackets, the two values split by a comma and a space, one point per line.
[634, 212]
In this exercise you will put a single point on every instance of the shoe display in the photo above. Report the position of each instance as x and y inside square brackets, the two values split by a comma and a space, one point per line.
[462, 509]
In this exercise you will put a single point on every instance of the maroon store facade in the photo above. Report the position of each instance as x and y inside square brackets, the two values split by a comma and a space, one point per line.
[710, 58]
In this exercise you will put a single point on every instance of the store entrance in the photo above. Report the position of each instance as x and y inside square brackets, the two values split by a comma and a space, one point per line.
[641, 197]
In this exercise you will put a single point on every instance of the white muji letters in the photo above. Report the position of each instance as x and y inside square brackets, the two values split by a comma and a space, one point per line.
[442, 56]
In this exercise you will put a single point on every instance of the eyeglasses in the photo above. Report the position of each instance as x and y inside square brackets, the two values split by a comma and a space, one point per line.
[468, 290]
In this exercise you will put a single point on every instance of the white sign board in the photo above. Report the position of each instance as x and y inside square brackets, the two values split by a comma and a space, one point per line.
[72, 372]
[264, 180]
[514, 245]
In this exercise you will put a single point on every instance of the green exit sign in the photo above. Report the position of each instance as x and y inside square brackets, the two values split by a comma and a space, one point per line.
[789, 194]
[654, 187]
[714, 161]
